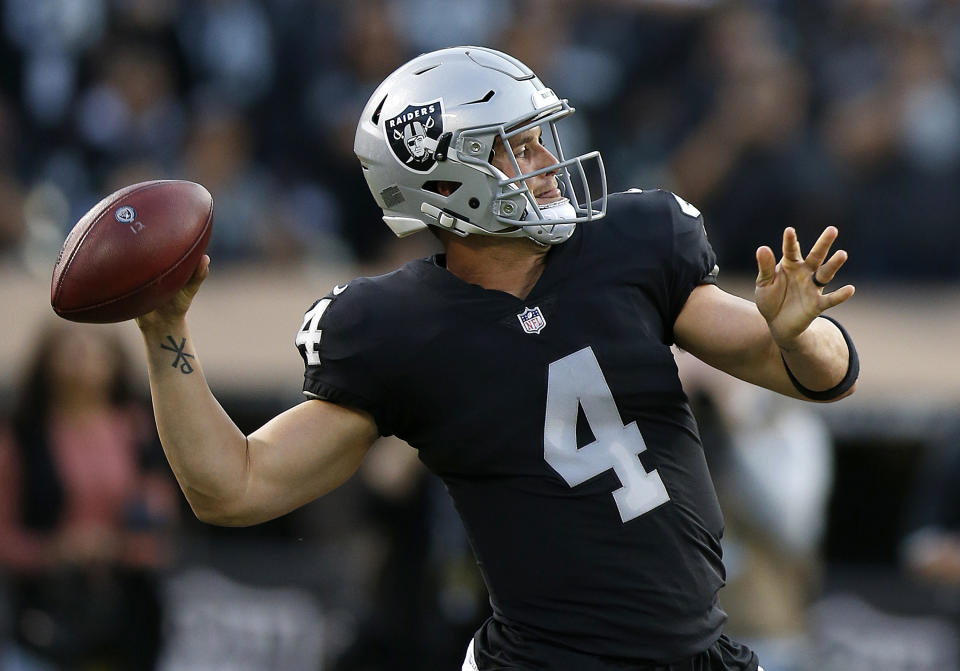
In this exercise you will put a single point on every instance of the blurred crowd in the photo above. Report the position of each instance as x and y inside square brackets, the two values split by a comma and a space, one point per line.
[763, 113]
[87, 509]
[104, 568]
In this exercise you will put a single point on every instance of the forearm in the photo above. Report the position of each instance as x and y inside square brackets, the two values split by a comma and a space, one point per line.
[729, 333]
[205, 449]
[819, 358]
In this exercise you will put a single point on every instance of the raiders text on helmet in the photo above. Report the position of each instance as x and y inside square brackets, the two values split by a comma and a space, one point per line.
[436, 118]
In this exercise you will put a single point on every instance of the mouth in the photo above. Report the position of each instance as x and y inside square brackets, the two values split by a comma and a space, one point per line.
[548, 195]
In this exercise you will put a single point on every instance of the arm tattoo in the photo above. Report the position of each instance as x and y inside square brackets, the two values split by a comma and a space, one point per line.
[181, 358]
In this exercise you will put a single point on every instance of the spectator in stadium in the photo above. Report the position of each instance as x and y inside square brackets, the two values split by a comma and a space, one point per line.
[750, 162]
[530, 365]
[891, 127]
[931, 544]
[84, 515]
[11, 214]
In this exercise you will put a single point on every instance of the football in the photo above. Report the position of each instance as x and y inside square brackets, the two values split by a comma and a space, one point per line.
[132, 251]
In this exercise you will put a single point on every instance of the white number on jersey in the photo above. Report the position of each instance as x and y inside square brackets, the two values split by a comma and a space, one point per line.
[576, 381]
[686, 207]
[309, 335]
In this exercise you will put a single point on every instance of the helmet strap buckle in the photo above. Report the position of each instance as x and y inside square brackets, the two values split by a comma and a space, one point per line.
[445, 220]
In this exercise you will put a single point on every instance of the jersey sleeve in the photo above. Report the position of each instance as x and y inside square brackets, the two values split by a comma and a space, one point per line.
[664, 238]
[692, 261]
[338, 349]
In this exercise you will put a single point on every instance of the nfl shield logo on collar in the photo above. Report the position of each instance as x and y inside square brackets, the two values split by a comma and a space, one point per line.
[532, 320]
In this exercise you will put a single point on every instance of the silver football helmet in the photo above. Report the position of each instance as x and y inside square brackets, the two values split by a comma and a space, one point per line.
[436, 118]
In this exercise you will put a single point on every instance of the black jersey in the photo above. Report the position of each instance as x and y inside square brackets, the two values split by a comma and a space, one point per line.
[558, 424]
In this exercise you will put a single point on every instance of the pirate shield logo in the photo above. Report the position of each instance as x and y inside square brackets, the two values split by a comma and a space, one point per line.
[413, 135]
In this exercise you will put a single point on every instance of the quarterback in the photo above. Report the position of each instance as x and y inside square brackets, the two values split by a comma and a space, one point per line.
[530, 365]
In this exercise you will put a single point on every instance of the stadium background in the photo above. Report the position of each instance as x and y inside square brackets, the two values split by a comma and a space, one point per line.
[763, 113]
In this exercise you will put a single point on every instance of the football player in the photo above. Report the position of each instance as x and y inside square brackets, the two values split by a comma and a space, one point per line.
[530, 364]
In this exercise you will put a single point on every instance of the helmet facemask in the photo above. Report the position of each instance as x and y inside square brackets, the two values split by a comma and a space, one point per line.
[514, 206]
[554, 222]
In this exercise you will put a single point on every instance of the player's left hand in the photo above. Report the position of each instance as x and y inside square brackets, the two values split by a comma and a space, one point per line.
[786, 294]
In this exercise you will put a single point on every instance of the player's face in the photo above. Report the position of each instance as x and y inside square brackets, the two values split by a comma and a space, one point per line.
[531, 155]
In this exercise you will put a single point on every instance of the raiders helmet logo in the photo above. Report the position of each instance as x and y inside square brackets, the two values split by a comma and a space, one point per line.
[413, 135]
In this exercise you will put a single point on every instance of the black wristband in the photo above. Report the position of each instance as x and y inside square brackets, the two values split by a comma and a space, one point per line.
[853, 371]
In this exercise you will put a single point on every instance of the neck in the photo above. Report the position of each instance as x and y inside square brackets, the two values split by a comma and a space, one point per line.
[511, 265]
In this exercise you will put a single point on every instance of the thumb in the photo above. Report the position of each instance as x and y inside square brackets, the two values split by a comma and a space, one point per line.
[766, 266]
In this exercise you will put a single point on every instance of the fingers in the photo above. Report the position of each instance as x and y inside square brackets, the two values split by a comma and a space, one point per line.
[826, 272]
[819, 251]
[200, 273]
[202, 269]
[766, 266]
[791, 246]
[821, 248]
[837, 297]
[823, 271]
[177, 306]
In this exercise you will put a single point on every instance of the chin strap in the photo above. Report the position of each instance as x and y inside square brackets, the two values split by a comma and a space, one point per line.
[542, 231]
[451, 222]
[557, 210]
[445, 220]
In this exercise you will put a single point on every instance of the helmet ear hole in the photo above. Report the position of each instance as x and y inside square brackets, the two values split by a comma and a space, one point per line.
[445, 188]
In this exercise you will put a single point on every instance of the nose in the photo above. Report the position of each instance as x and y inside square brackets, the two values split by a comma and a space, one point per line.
[545, 157]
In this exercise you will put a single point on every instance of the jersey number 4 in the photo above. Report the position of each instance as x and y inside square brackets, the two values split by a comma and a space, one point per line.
[576, 381]
[308, 337]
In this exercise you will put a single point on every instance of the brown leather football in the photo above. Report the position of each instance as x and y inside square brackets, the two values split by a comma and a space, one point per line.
[132, 251]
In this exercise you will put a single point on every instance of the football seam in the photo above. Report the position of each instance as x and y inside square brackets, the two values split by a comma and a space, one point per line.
[76, 248]
[155, 280]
